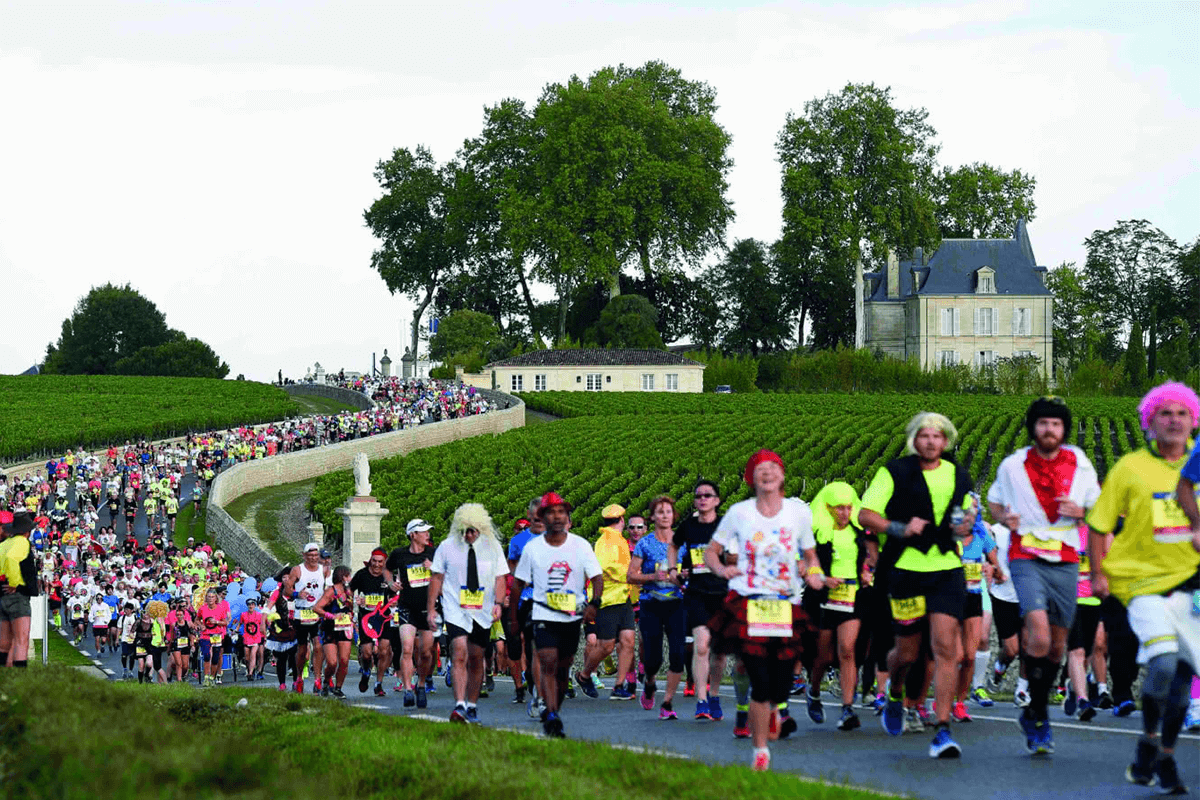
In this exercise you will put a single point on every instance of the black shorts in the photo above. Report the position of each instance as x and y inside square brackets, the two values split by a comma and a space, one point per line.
[99, 631]
[700, 608]
[1083, 630]
[411, 615]
[973, 607]
[560, 636]
[830, 619]
[611, 620]
[307, 633]
[916, 595]
[332, 635]
[1007, 618]
[511, 630]
[478, 635]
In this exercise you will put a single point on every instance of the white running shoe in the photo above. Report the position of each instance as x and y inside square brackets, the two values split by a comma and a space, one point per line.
[1020, 699]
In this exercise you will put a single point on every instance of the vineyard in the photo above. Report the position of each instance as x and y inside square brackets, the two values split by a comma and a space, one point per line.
[627, 448]
[46, 414]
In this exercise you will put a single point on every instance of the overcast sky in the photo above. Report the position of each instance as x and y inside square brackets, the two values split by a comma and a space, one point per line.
[219, 156]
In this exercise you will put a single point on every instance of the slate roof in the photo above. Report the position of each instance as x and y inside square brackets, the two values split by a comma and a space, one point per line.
[595, 357]
[952, 268]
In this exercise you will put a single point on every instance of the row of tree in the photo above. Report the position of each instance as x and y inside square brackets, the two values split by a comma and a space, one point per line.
[618, 184]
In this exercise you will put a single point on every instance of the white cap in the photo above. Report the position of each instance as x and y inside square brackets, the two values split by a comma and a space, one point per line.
[312, 546]
[416, 525]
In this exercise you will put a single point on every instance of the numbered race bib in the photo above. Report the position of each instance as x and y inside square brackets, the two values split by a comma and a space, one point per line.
[306, 616]
[140, 651]
[418, 576]
[1170, 523]
[1083, 588]
[343, 623]
[373, 600]
[973, 574]
[182, 641]
[396, 616]
[841, 597]
[1043, 548]
[908, 610]
[768, 617]
[698, 565]
[470, 601]
[563, 602]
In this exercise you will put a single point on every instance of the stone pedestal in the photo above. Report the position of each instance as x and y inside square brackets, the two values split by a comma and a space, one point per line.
[316, 533]
[360, 529]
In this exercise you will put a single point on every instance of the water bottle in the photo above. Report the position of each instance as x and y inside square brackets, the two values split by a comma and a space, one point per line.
[956, 518]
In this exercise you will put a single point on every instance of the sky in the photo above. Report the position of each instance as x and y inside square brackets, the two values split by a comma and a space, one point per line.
[219, 156]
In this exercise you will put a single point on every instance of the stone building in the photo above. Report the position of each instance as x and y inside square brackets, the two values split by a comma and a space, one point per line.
[971, 301]
[595, 370]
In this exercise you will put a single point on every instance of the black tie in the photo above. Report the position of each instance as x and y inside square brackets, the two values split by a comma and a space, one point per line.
[472, 570]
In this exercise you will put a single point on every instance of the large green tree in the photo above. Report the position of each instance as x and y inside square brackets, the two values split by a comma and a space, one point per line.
[753, 316]
[857, 180]
[419, 245]
[108, 324]
[180, 358]
[464, 331]
[628, 321]
[980, 201]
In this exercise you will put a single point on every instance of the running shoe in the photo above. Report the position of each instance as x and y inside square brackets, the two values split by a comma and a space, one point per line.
[1058, 696]
[1070, 702]
[379, 692]
[741, 732]
[459, 714]
[299, 686]
[483, 691]
[569, 691]
[714, 708]
[364, 679]
[608, 666]
[422, 699]
[995, 677]
[892, 717]
[761, 761]
[1087, 711]
[943, 745]
[518, 696]
[1021, 698]
[410, 700]
[959, 713]
[449, 677]
[599, 684]
[798, 685]
[648, 696]
[1141, 771]
[1168, 776]
[982, 698]
[552, 726]
[472, 716]
[338, 693]
[689, 690]
[1124, 708]
[429, 687]
[849, 720]
[702, 710]
[540, 707]
[926, 716]
[787, 726]
[282, 688]
[586, 684]
[490, 683]
[1191, 722]
[1033, 733]
[1104, 701]
[816, 711]
[879, 704]
[1045, 738]
[666, 712]
[324, 692]
[531, 705]
[912, 722]
[621, 692]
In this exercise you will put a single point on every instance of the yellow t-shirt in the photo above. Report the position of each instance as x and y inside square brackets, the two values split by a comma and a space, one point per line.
[844, 563]
[612, 551]
[941, 488]
[1153, 553]
[13, 551]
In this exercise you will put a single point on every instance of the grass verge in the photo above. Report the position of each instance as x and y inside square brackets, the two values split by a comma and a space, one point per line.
[65, 735]
[60, 650]
[269, 513]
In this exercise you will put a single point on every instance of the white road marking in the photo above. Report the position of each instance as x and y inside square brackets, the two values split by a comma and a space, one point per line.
[84, 653]
[109, 671]
[633, 748]
[1077, 726]
[97, 662]
[428, 717]
[370, 705]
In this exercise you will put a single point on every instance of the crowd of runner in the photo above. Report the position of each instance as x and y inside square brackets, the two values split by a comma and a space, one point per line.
[888, 598]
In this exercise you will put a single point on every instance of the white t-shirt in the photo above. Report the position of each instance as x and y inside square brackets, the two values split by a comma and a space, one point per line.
[767, 547]
[559, 576]
[450, 561]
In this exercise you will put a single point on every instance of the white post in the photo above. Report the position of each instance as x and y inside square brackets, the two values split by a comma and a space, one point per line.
[39, 624]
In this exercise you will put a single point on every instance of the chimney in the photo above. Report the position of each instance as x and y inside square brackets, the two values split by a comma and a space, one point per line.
[893, 274]
[919, 256]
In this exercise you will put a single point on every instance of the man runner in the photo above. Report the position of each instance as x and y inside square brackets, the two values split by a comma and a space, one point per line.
[413, 636]
[307, 581]
[373, 587]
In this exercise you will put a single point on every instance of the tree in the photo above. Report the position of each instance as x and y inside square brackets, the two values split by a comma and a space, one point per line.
[748, 292]
[629, 321]
[108, 324]
[463, 331]
[980, 201]
[1075, 332]
[180, 358]
[418, 245]
[1135, 358]
[857, 175]
[1130, 268]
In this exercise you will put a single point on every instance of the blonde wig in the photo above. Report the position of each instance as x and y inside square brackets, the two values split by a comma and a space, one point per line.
[473, 515]
[929, 419]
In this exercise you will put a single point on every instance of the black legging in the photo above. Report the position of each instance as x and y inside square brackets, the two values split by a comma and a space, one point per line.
[1122, 649]
[655, 618]
[285, 659]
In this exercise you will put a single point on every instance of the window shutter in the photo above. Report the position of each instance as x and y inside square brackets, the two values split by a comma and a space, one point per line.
[976, 329]
[1016, 319]
[995, 322]
[957, 321]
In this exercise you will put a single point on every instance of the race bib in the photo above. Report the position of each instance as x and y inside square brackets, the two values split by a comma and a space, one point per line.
[768, 617]
[908, 610]
[139, 651]
[470, 600]
[418, 576]
[698, 565]
[396, 616]
[1170, 523]
[1045, 549]
[373, 600]
[973, 573]
[563, 602]
[841, 597]
[182, 641]
[306, 616]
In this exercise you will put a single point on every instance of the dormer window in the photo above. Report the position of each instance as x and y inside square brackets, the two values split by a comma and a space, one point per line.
[985, 281]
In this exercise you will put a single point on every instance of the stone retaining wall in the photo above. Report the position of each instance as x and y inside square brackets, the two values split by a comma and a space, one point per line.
[347, 396]
[250, 476]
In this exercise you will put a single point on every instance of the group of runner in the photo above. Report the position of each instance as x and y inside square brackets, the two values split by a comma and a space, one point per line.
[894, 585]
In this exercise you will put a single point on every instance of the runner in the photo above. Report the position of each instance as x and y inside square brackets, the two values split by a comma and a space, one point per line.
[410, 622]
[336, 612]
[468, 575]
[1041, 494]
[18, 583]
[306, 582]
[978, 554]
[214, 618]
[372, 588]
[559, 566]
[1153, 567]
[180, 635]
[524, 611]
[918, 502]
[253, 632]
[614, 621]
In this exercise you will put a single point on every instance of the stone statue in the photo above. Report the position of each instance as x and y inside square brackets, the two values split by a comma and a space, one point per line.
[362, 475]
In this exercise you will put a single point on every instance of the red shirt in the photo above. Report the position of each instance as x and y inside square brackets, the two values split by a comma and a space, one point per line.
[1051, 479]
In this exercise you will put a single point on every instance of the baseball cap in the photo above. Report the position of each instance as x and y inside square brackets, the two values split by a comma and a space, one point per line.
[21, 523]
[552, 499]
[312, 546]
[416, 525]
[612, 511]
[326, 554]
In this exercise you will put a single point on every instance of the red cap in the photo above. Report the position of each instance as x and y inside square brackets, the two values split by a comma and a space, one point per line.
[758, 458]
[552, 499]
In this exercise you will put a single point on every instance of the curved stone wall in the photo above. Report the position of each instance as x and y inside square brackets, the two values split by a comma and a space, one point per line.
[347, 396]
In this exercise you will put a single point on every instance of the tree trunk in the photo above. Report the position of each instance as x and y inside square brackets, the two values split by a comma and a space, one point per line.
[519, 266]
[416, 327]
[800, 327]
[647, 272]
[1152, 351]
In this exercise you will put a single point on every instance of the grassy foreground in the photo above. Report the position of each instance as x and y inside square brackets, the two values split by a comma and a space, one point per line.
[67, 735]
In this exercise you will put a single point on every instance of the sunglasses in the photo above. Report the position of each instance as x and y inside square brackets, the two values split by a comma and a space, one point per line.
[637, 527]
[703, 495]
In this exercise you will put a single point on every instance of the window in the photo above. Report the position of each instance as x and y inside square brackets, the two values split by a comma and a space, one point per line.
[647, 382]
[594, 382]
[1024, 354]
[985, 321]
[539, 383]
[672, 382]
[985, 284]
[1022, 321]
[518, 383]
[985, 281]
[948, 358]
[950, 322]
[985, 358]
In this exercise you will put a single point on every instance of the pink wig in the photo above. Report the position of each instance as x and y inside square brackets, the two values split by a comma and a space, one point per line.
[1160, 396]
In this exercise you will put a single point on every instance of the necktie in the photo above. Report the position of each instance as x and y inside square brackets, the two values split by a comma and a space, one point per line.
[472, 570]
